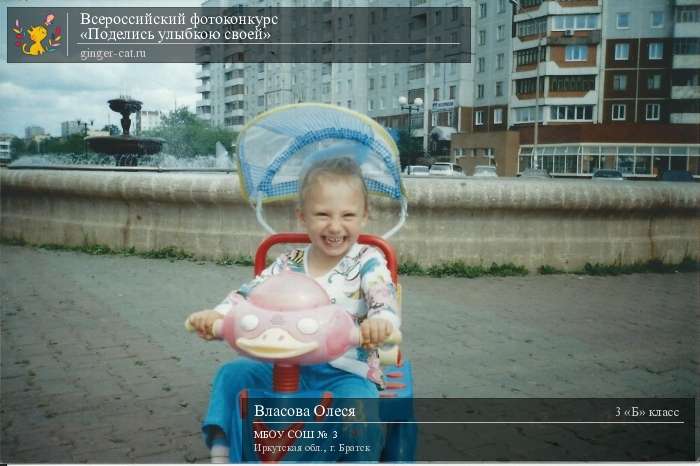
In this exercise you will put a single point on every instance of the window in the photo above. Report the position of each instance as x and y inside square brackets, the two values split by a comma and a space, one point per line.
[482, 10]
[349, 103]
[453, 92]
[383, 82]
[416, 72]
[501, 6]
[480, 91]
[622, 51]
[656, 51]
[499, 88]
[620, 82]
[497, 116]
[438, 17]
[381, 103]
[653, 111]
[576, 53]
[500, 32]
[575, 22]
[571, 113]
[623, 20]
[479, 118]
[436, 93]
[261, 100]
[370, 104]
[396, 79]
[482, 38]
[688, 14]
[480, 65]
[654, 82]
[531, 27]
[371, 84]
[528, 86]
[500, 60]
[574, 83]
[618, 112]
[526, 115]
[657, 19]
[528, 56]
[686, 46]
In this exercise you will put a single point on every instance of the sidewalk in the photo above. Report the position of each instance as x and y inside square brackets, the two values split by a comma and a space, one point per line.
[96, 365]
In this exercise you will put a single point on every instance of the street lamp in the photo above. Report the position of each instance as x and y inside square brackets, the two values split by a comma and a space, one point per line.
[534, 170]
[415, 106]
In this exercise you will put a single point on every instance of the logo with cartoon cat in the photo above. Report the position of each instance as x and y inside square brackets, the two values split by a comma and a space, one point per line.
[31, 40]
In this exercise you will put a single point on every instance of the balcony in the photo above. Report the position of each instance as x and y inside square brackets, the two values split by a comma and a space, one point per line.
[203, 88]
[685, 29]
[234, 81]
[593, 37]
[685, 92]
[685, 118]
[203, 74]
[686, 61]
[233, 98]
[235, 112]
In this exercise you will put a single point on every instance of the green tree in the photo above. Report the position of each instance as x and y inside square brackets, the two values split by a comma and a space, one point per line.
[73, 144]
[187, 136]
[410, 149]
[17, 147]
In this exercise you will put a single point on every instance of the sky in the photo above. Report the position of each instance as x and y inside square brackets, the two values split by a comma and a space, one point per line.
[45, 94]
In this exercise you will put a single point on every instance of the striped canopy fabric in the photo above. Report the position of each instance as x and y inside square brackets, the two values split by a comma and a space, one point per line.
[276, 148]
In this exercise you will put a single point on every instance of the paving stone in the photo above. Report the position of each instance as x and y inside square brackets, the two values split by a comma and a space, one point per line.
[97, 344]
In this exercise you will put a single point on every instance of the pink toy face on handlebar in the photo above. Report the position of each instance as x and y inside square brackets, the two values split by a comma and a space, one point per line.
[289, 319]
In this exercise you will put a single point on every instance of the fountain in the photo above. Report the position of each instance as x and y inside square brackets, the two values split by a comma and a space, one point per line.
[125, 148]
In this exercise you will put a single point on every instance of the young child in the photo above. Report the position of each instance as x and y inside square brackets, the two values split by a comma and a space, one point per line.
[333, 208]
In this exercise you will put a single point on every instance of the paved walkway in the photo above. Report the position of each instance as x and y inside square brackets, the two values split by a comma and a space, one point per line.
[96, 366]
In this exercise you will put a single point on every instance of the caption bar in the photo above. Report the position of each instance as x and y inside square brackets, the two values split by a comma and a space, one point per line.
[239, 35]
[318, 429]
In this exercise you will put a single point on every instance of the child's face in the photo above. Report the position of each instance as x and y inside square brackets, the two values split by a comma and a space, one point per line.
[333, 214]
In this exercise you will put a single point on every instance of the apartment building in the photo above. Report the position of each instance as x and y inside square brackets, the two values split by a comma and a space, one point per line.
[685, 65]
[617, 89]
[234, 92]
[5, 148]
[32, 131]
[72, 127]
[610, 83]
[146, 120]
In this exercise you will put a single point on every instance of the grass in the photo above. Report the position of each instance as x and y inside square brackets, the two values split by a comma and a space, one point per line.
[171, 252]
[460, 269]
[688, 264]
[409, 268]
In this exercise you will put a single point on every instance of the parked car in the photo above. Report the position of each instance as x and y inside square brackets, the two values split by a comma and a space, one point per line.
[485, 171]
[446, 169]
[416, 170]
[606, 174]
[676, 175]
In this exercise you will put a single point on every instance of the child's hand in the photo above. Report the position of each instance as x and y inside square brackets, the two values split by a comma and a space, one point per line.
[203, 321]
[374, 331]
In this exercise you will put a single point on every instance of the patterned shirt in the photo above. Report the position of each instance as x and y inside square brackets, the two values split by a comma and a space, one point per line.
[360, 282]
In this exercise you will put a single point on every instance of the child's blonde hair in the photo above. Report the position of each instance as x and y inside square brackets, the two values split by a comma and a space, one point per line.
[343, 166]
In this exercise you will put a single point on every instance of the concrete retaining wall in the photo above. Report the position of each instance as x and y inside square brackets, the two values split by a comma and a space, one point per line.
[561, 223]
